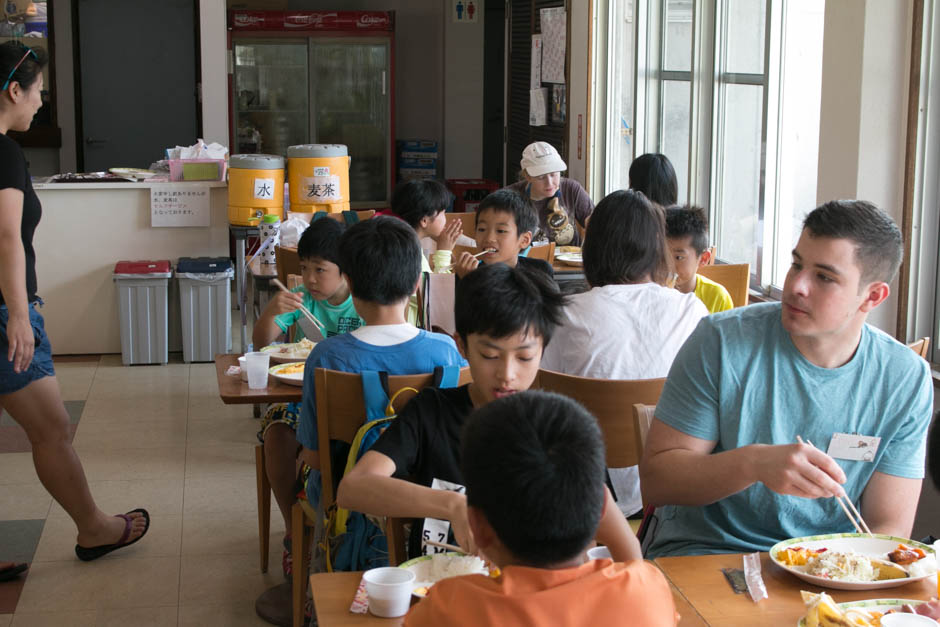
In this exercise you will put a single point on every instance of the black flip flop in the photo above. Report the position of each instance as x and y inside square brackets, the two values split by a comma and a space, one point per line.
[87, 554]
[12, 572]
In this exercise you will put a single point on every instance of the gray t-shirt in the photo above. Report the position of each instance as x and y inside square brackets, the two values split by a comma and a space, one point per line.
[572, 197]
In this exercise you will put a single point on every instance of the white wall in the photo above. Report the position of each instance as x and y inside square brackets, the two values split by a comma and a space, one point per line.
[463, 95]
[213, 40]
[866, 51]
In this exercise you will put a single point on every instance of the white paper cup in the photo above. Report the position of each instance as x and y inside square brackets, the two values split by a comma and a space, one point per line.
[389, 590]
[599, 553]
[244, 373]
[257, 365]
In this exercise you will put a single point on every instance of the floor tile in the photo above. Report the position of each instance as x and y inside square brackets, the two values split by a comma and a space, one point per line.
[10, 592]
[17, 468]
[103, 435]
[230, 534]
[241, 614]
[223, 579]
[87, 618]
[14, 440]
[106, 583]
[162, 540]
[139, 463]
[19, 538]
[5, 620]
[62, 360]
[24, 501]
[221, 432]
[132, 409]
[220, 494]
[75, 380]
[166, 616]
[160, 497]
[212, 461]
[206, 407]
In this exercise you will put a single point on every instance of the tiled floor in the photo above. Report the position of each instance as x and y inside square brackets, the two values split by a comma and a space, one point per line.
[148, 436]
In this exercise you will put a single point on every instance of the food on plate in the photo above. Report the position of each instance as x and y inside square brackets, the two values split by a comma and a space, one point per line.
[297, 368]
[444, 566]
[823, 611]
[797, 555]
[568, 249]
[906, 555]
[850, 566]
[296, 350]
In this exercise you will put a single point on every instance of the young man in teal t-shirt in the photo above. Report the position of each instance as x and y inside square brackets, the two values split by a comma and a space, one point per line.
[325, 294]
[722, 461]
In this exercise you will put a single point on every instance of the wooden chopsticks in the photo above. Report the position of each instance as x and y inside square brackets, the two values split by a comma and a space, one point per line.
[306, 312]
[860, 526]
[444, 545]
[483, 252]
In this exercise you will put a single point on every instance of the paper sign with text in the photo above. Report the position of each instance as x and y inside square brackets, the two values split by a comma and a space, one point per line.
[179, 204]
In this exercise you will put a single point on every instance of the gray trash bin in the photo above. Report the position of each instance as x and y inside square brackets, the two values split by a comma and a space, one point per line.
[142, 309]
[205, 306]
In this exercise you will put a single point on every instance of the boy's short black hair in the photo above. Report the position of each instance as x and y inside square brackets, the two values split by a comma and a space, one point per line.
[625, 241]
[654, 175]
[382, 258]
[523, 213]
[879, 246]
[688, 221]
[533, 464]
[321, 239]
[499, 301]
[415, 199]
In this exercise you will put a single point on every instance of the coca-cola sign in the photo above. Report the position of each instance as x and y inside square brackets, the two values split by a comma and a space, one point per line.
[312, 20]
[247, 20]
[370, 20]
[307, 20]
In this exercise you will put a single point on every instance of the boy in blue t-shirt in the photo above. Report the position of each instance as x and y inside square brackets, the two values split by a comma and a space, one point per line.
[325, 293]
[380, 260]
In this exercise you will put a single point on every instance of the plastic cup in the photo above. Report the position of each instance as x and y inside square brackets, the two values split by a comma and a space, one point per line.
[906, 620]
[389, 589]
[599, 553]
[257, 365]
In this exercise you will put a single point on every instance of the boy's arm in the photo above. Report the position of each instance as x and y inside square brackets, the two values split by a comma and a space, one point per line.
[889, 504]
[266, 327]
[370, 488]
[615, 532]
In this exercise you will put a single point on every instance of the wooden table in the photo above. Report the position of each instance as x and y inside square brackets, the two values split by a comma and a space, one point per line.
[234, 391]
[700, 581]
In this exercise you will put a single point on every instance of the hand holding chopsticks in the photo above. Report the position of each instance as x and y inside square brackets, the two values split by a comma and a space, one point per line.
[479, 254]
[859, 525]
[306, 312]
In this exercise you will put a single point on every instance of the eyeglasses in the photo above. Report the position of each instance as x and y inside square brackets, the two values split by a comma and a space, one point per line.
[29, 51]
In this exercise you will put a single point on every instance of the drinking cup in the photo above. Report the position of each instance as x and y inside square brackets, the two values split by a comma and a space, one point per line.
[257, 365]
[389, 590]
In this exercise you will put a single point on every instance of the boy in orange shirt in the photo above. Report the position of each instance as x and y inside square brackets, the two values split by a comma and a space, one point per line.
[533, 464]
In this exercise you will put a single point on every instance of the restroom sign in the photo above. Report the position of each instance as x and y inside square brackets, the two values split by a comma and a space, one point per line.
[466, 11]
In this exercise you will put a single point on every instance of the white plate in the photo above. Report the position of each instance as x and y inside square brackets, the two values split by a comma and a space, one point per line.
[279, 358]
[135, 173]
[882, 605]
[570, 259]
[293, 378]
[421, 567]
[873, 546]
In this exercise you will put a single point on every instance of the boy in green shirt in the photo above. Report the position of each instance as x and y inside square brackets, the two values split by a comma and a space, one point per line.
[687, 238]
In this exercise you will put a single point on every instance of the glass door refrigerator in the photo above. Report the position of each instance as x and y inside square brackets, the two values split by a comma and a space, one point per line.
[316, 77]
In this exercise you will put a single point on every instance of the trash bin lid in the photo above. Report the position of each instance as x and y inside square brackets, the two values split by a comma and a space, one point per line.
[142, 267]
[316, 150]
[204, 265]
[256, 162]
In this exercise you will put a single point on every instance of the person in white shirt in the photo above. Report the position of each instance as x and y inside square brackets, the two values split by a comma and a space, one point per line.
[628, 325]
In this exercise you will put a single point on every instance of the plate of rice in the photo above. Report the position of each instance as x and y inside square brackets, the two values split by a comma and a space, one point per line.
[822, 610]
[290, 373]
[855, 561]
[286, 353]
[429, 569]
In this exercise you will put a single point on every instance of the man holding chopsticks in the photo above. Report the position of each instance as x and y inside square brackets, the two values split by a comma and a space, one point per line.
[724, 455]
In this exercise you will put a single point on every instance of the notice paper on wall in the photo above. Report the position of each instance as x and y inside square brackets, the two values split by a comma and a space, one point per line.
[179, 204]
[535, 80]
[538, 106]
[554, 31]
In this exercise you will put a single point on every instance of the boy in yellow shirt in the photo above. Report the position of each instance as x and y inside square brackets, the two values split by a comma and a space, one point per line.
[687, 238]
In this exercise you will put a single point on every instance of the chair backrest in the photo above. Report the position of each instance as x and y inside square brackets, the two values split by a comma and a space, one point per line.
[643, 415]
[921, 346]
[735, 277]
[469, 220]
[341, 410]
[611, 402]
[543, 252]
[288, 262]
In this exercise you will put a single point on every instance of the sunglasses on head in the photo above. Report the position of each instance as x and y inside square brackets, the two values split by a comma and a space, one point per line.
[29, 51]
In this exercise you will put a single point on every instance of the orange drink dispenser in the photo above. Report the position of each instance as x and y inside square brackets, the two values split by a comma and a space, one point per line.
[318, 176]
[255, 188]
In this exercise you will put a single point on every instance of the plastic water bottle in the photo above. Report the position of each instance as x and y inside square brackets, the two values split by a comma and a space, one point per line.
[270, 230]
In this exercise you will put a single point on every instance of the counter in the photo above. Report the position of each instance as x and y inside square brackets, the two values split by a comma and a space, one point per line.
[85, 229]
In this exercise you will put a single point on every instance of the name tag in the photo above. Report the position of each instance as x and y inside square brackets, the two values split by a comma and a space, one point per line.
[434, 529]
[855, 447]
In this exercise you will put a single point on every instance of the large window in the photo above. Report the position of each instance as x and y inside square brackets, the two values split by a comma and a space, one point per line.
[729, 90]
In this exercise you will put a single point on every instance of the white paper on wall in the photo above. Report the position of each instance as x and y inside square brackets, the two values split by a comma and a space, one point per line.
[554, 31]
[535, 80]
[538, 106]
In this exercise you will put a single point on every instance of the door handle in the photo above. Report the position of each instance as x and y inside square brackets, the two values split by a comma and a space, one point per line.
[92, 140]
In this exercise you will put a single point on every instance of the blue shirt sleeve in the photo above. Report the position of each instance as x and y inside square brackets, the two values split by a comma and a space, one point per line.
[307, 429]
[690, 400]
[907, 448]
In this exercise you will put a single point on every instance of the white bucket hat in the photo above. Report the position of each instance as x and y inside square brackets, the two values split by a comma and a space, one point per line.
[541, 158]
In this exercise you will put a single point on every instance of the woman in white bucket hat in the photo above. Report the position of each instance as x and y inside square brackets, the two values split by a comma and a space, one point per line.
[541, 168]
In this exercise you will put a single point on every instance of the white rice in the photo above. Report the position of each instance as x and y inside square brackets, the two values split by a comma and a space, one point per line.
[445, 566]
[843, 566]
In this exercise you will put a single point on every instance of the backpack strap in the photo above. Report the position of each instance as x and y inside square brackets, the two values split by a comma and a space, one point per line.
[446, 377]
[374, 393]
[350, 217]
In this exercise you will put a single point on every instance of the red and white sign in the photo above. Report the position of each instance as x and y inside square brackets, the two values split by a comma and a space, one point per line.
[312, 20]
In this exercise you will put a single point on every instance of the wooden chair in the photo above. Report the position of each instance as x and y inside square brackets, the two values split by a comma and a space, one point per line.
[288, 262]
[340, 412]
[469, 220]
[643, 416]
[543, 252]
[921, 347]
[735, 277]
[611, 402]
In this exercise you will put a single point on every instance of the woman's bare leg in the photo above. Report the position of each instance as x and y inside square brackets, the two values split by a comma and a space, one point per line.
[38, 408]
